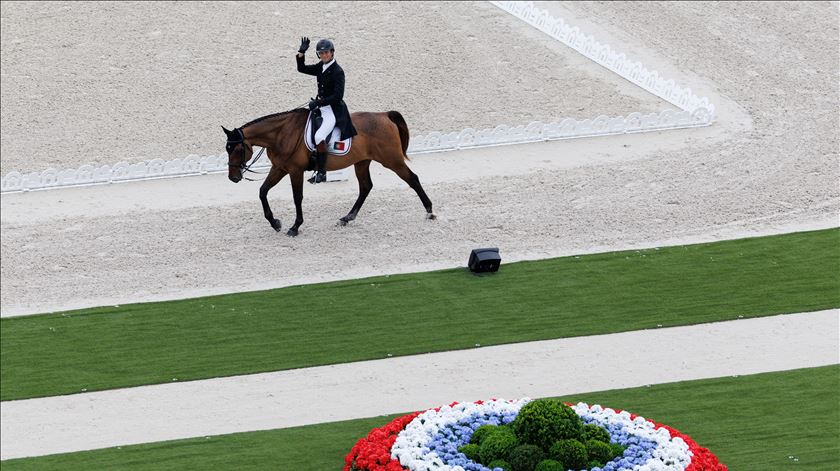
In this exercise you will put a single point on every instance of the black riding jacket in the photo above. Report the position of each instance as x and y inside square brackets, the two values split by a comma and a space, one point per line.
[330, 92]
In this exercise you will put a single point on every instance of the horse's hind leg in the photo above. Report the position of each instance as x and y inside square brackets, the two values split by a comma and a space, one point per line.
[365, 185]
[411, 178]
[297, 195]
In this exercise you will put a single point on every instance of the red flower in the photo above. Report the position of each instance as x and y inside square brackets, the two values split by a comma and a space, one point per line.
[373, 453]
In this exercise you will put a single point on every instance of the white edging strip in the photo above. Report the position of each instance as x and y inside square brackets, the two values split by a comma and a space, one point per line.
[536, 131]
[695, 112]
[604, 55]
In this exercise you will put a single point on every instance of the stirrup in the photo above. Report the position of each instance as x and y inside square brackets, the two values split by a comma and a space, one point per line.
[318, 177]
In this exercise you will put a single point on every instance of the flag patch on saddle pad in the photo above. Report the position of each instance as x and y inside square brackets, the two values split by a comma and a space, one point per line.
[339, 146]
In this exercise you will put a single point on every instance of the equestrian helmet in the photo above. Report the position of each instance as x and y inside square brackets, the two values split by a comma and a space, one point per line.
[324, 45]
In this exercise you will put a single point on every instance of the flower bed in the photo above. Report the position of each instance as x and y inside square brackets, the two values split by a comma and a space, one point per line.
[525, 435]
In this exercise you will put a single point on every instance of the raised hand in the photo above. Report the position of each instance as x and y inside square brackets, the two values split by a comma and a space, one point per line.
[304, 45]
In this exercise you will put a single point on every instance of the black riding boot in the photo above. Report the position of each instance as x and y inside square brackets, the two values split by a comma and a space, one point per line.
[321, 165]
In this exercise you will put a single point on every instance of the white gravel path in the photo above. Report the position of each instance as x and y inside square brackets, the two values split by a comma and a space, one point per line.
[305, 396]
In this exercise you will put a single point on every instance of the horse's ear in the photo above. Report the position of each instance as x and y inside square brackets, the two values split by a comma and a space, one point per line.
[226, 131]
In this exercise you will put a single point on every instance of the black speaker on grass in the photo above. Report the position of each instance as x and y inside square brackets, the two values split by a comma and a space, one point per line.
[484, 260]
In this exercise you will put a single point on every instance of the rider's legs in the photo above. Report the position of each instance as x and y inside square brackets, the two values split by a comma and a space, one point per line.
[327, 125]
[321, 135]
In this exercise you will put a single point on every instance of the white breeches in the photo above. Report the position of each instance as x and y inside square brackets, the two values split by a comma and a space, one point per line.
[327, 126]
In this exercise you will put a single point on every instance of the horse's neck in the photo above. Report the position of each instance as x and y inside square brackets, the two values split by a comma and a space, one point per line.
[262, 134]
[266, 133]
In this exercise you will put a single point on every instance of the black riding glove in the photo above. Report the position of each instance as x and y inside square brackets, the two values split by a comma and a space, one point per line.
[304, 45]
[313, 103]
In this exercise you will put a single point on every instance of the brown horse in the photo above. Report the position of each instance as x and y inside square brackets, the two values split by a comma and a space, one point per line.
[382, 137]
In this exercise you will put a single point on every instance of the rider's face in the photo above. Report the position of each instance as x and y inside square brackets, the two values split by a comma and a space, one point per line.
[325, 56]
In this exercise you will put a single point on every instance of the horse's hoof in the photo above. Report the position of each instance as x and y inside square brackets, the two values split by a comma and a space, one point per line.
[292, 233]
[276, 225]
[431, 216]
[342, 222]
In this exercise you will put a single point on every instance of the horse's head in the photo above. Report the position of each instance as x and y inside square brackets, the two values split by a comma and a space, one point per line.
[239, 153]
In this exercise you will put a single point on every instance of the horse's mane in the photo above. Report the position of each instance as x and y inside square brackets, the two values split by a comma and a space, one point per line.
[296, 110]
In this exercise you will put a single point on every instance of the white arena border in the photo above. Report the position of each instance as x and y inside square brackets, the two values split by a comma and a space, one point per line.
[695, 111]
[602, 54]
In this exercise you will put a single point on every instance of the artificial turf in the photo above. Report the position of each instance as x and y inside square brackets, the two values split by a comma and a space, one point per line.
[370, 318]
[783, 420]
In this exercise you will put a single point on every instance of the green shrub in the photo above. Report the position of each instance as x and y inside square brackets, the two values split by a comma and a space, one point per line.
[497, 445]
[594, 432]
[499, 464]
[481, 432]
[617, 450]
[525, 457]
[599, 451]
[471, 450]
[546, 421]
[571, 453]
[550, 465]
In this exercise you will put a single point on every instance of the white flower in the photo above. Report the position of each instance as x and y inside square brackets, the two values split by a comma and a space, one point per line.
[412, 450]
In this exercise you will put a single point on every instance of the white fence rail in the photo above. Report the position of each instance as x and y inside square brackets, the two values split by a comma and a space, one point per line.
[695, 112]
[568, 128]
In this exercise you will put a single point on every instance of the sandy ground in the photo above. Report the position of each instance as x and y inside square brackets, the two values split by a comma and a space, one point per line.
[205, 235]
[770, 163]
[364, 389]
[136, 81]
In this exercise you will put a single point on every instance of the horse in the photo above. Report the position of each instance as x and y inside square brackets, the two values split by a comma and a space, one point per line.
[382, 137]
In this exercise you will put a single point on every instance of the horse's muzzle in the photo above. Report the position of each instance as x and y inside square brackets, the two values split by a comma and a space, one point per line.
[235, 178]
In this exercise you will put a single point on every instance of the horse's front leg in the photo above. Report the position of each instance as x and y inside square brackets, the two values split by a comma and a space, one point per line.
[297, 195]
[274, 176]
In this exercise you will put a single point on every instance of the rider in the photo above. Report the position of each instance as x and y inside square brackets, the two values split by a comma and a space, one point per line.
[330, 100]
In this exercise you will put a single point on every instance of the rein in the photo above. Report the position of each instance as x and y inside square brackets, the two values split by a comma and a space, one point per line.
[248, 168]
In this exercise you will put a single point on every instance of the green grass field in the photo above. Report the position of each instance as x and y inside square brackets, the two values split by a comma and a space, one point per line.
[753, 422]
[131, 345]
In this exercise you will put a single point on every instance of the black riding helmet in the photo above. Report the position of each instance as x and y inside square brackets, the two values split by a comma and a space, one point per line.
[324, 45]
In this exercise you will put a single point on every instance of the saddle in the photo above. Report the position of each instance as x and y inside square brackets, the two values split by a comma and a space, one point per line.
[334, 143]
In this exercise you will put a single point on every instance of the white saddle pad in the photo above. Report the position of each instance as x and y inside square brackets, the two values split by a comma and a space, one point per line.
[334, 145]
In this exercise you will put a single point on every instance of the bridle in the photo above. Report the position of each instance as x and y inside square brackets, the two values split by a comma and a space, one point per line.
[231, 144]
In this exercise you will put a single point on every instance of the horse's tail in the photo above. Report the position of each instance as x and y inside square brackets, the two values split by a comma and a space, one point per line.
[397, 118]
